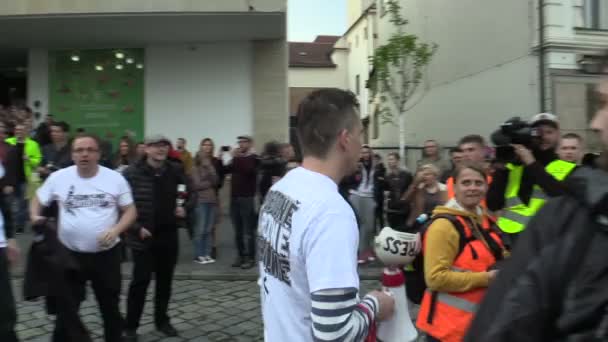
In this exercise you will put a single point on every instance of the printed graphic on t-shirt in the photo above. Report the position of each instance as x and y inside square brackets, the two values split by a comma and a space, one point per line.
[275, 231]
[73, 201]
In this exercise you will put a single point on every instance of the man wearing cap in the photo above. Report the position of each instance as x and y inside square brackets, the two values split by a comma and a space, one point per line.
[154, 236]
[244, 170]
[521, 188]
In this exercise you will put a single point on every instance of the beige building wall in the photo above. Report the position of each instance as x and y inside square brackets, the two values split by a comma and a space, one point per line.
[482, 74]
[34, 7]
[270, 93]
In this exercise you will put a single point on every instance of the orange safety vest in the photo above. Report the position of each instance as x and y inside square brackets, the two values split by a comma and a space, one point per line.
[450, 185]
[446, 315]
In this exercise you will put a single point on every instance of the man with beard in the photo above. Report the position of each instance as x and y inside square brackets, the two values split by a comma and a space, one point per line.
[555, 287]
[521, 188]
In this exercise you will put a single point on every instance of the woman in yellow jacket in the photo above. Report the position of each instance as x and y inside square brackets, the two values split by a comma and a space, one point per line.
[460, 252]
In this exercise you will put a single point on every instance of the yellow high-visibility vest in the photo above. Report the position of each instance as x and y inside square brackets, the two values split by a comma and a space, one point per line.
[517, 214]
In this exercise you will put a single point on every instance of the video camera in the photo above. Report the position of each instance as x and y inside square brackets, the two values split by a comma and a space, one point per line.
[513, 131]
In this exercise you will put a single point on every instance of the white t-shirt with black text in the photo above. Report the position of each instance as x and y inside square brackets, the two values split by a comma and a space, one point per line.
[308, 240]
[87, 206]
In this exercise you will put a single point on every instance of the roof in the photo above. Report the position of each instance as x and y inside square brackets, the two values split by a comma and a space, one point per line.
[313, 55]
[326, 39]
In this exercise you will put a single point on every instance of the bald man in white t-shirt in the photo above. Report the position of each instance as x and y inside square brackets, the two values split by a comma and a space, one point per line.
[95, 208]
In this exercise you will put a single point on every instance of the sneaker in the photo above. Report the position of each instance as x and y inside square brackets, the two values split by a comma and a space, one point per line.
[167, 329]
[247, 264]
[363, 258]
[209, 260]
[199, 260]
[371, 257]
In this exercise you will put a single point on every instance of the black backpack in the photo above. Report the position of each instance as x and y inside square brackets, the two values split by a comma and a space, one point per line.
[414, 273]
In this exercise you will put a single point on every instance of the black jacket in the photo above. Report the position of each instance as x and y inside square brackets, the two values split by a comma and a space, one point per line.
[397, 184]
[534, 174]
[270, 167]
[142, 178]
[555, 287]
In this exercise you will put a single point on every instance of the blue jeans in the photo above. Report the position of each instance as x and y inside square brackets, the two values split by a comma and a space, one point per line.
[205, 218]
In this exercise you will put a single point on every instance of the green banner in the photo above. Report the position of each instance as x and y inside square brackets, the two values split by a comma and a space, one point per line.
[101, 91]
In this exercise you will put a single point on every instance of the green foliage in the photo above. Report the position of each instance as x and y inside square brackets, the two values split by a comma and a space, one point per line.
[399, 66]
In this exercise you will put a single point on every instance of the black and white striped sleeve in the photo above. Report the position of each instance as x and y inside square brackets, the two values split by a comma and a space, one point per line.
[339, 315]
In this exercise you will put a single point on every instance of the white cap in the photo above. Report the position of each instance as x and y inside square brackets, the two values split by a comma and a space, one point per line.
[544, 118]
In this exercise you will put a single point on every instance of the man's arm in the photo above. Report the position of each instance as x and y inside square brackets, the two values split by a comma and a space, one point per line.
[495, 197]
[547, 182]
[337, 315]
[127, 218]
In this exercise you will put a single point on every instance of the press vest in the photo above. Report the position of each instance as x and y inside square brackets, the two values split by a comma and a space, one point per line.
[446, 315]
[517, 214]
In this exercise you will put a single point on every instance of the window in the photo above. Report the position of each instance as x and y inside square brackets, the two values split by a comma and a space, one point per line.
[596, 14]
[357, 80]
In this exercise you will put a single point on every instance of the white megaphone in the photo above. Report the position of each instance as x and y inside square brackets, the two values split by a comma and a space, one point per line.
[398, 328]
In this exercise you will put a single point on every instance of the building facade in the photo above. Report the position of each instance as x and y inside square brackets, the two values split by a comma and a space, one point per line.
[491, 67]
[185, 69]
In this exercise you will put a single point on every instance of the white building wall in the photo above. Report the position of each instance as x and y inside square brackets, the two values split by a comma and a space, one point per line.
[321, 77]
[482, 73]
[199, 93]
[38, 80]
[359, 39]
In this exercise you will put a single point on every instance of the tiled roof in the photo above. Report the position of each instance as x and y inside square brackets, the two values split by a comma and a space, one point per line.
[327, 39]
[314, 54]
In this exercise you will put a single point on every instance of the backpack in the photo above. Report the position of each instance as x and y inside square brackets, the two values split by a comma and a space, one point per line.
[414, 273]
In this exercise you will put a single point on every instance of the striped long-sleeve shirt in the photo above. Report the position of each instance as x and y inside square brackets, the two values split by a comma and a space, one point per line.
[339, 315]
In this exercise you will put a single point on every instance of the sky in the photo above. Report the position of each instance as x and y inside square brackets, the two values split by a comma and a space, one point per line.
[307, 19]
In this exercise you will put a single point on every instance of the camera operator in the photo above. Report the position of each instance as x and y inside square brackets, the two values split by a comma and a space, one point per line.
[521, 186]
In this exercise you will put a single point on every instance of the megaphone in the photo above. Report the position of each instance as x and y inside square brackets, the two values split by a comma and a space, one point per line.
[394, 248]
[398, 328]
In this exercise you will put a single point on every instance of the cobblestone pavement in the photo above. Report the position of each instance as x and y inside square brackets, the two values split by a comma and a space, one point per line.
[201, 310]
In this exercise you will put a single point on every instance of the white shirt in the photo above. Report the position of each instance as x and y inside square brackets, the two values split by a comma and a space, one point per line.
[87, 206]
[308, 242]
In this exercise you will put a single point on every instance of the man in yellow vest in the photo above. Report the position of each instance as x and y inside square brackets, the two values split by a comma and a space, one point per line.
[520, 188]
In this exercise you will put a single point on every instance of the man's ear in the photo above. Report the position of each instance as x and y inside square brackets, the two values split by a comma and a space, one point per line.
[343, 139]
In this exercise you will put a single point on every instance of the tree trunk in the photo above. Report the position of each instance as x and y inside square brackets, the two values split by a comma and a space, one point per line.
[402, 137]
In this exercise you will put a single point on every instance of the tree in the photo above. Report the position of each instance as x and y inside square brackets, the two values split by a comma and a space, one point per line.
[398, 70]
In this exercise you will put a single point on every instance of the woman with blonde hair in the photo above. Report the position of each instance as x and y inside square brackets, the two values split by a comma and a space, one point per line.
[205, 180]
[461, 250]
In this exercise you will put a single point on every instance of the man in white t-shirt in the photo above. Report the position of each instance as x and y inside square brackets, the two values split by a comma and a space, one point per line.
[308, 234]
[95, 208]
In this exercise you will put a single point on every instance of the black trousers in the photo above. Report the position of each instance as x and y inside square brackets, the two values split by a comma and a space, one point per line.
[242, 212]
[396, 220]
[160, 258]
[8, 312]
[102, 269]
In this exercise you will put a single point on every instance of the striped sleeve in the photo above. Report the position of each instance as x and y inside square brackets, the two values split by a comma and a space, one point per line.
[338, 315]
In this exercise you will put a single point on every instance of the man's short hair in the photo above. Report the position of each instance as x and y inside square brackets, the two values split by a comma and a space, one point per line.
[573, 136]
[184, 139]
[394, 155]
[65, 127]
[455, 150]
[87, 135]
[321, 116]
[472, 139]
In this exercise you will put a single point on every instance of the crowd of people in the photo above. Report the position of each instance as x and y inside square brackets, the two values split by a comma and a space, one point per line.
[492, 225]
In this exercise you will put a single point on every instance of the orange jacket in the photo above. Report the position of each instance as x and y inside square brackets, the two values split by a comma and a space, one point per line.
[447, 315]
